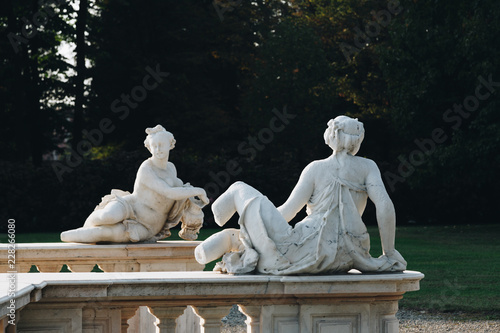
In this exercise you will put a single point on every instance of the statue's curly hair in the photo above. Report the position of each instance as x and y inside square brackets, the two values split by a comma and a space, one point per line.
[344, 133]
[151, 131]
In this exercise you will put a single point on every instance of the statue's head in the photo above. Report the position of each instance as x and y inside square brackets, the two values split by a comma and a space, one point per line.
[344, 134]
[159, 141]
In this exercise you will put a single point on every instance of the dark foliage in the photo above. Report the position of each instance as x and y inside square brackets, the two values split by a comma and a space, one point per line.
[221, 76]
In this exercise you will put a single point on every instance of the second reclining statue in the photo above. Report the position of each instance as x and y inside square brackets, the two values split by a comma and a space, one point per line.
[159, 202]
[332, 238]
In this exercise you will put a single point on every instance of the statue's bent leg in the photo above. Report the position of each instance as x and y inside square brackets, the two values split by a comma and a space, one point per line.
[232, 201]
[113, 213]
[217, 245]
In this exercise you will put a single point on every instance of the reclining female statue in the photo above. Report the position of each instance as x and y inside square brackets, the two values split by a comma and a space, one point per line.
[332, 238]
[159, 201]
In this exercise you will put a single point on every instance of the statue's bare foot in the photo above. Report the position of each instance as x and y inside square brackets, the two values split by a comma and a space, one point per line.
[76, 236]
[113, 233]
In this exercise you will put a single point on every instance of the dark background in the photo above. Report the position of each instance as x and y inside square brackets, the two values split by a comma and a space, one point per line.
[403, 68]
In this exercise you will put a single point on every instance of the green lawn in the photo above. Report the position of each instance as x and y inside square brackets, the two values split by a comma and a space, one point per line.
[461, 265]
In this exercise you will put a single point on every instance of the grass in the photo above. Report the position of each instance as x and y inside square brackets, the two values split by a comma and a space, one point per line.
[461, 265]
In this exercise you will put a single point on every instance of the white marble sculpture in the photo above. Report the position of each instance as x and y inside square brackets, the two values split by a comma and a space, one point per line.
[332, 238]
[159, 202]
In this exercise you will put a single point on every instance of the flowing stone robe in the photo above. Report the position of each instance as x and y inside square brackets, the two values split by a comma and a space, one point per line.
[332, 238]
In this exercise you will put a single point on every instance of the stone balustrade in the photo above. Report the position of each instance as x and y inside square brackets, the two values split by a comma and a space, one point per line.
[50, 257]
[91, 302]
[156, 257]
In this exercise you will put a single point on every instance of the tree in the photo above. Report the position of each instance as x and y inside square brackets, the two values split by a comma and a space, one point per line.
[81, 70]
[442, 73]
[292, 75]
[32, 77]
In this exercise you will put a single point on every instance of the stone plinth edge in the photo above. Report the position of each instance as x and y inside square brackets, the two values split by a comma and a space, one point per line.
[140, 257]
[363, 302]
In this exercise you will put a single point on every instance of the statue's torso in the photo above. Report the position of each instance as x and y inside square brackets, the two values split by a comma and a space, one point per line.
[151, 208]
[350, 170]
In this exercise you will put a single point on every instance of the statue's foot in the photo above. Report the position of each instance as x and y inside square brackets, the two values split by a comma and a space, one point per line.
[70, 236]
[81, 235]
[115, 233]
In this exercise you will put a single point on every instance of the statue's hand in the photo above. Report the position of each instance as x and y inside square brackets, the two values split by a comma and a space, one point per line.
[204, 199]
[203, 196]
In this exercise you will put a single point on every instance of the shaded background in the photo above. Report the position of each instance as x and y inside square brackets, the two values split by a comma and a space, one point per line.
[405, 69]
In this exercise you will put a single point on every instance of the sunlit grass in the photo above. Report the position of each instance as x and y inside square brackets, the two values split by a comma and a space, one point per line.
[461, 266]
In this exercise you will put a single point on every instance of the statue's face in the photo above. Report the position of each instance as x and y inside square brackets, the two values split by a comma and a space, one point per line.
[160, 145]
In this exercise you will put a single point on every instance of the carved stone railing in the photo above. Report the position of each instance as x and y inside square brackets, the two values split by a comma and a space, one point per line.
[161, 256]
[103, 302]
[50, 257]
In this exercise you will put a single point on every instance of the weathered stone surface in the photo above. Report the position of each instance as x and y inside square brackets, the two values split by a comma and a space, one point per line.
[332, 238]
[50, 257]
[353, 302]
[160, 201]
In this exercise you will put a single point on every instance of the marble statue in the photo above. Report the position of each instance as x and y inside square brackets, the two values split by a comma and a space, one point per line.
[159, 202]
[332, 238]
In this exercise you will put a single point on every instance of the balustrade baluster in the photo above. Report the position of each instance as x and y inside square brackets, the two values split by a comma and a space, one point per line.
[211, 317]
[167, 317]
[126, 314]
[253, 317]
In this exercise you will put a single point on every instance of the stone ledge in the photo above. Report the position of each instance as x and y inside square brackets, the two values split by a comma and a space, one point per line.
[65, 246]
[361, 302]
[222, 288]
[49, 257]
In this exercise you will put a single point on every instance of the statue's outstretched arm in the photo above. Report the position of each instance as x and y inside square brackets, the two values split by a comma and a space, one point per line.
[148, 178]
[300, 194]
[386, 215]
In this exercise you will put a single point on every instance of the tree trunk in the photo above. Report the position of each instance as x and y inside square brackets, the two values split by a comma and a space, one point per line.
[32, 83]
[81, 72]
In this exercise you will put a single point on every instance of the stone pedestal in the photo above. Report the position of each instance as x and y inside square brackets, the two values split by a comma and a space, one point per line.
[303, 304]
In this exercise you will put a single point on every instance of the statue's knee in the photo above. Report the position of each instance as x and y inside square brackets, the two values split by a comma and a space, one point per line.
[238, 183]
[114, 214]
[244, 190]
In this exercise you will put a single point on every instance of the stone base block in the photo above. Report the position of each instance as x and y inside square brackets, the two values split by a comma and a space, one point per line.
[273, 304]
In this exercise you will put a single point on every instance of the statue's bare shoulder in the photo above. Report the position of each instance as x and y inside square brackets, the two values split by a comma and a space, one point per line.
[171, 168]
